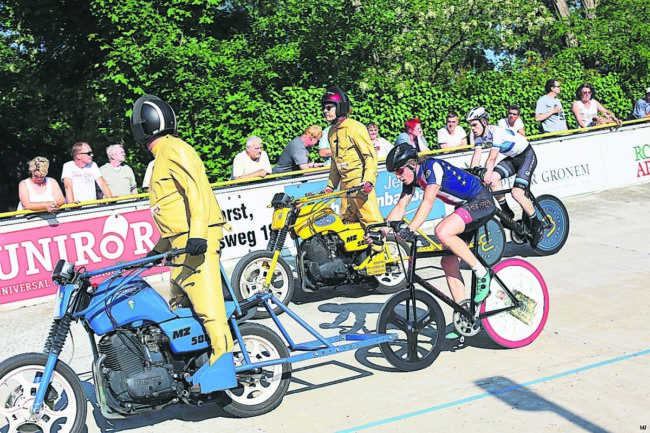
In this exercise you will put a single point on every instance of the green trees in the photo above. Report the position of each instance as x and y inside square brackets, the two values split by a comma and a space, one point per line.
[71, 70]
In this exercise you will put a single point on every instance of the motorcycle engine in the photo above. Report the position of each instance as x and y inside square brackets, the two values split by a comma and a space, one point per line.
[324, 263]
[135, 368]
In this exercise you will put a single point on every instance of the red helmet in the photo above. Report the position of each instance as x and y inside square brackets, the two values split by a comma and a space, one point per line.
[336, 96]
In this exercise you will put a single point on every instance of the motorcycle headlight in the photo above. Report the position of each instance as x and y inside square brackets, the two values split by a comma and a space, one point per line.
[63, 272]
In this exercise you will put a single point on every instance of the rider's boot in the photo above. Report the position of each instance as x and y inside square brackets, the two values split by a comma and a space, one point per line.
[216, 377]
[505, 208]
[482, 287]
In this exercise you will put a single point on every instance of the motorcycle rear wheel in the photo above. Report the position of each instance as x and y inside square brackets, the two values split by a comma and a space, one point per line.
[262, 389]
[64, 409]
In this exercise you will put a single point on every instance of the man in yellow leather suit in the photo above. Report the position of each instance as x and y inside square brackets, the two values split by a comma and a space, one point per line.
[187, 215]
[354, 160]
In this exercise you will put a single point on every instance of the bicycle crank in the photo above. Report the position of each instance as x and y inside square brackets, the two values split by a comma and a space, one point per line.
[466, 327]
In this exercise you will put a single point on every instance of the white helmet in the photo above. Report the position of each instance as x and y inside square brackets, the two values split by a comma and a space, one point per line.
[478, 113]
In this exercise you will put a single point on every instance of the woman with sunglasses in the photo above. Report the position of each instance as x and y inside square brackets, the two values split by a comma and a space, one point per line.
[39, 192]
[474, 207]
[586, 107]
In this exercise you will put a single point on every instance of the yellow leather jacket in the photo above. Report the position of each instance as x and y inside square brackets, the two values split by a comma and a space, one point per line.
[354, 159]
[181, 199]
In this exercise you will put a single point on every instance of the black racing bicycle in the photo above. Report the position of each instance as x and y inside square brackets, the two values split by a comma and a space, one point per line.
[553, 213]
[513, 315]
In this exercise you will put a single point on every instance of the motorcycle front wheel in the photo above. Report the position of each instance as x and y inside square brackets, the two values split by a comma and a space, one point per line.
[64, 408]
[394, 279]
[250, 274]
[259, 390]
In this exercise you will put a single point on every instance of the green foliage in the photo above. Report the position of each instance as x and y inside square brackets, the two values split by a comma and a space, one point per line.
[71, 69]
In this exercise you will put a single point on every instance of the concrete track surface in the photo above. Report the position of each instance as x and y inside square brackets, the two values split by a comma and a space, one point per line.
[589, 371]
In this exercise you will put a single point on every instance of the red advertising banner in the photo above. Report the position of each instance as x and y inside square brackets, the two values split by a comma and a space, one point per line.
[27, 257]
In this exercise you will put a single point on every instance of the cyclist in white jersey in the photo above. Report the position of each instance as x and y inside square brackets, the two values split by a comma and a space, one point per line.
[520, 161]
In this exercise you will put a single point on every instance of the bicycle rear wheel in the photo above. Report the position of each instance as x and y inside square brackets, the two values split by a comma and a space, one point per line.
[556, 226]
[492, 245]
[521, 326]
[420, 330]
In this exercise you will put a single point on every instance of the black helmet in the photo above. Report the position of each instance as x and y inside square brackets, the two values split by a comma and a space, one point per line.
[399, 156]
[336, 96]
[152, 117]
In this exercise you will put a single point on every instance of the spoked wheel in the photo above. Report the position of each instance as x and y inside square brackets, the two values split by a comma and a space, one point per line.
[64, 408]
[259, 390]
[556, 225]
[491, 245]
[394, 279]
[420, 330]
[521, 326]
[250, 274]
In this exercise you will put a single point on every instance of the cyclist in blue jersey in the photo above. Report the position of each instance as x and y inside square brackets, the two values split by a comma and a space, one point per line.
[520, 161]
[474, 208]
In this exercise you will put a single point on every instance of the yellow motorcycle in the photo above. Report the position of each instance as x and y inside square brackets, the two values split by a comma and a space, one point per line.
[329, 253]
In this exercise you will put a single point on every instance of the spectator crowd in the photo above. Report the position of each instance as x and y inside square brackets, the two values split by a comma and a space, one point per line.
[84, 181]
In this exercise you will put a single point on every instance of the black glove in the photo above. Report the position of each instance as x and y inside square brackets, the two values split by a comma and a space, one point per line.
[405, 234]
[196, 246]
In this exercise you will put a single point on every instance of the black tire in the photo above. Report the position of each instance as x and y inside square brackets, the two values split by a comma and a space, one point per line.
[419, 342]
[491, 246]
[556, 230]
[394, 280]
[249, 276]
[65, 405]
[262, 389]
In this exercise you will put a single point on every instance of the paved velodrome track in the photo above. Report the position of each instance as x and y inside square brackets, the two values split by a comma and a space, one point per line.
[589, 371]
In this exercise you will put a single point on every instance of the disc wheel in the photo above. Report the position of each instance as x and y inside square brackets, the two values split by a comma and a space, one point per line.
[521, 326]
[394, 279]
[556, 225]
[420, 328]
[64, 408]
[250, 274]
[491, 245]
[259, 390]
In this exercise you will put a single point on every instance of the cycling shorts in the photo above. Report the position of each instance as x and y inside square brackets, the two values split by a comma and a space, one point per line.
[476, 213]
[522, 165]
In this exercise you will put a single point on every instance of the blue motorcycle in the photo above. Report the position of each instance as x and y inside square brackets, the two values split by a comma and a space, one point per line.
[147, 356]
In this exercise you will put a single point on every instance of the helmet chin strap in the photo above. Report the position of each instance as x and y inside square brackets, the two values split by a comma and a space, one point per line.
[410, 167]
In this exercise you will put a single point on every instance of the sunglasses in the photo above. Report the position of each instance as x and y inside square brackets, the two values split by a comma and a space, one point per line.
[328, 107]
[400, 171]
[586, 93]
[86, 153]
[513, 114]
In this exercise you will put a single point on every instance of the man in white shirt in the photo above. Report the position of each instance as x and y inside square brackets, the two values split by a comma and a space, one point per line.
[452, 135]
[513, 122]
[80, 174]
[382, 146]
[252, 162]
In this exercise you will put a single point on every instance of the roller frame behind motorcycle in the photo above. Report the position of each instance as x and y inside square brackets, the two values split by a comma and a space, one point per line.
[144, 354]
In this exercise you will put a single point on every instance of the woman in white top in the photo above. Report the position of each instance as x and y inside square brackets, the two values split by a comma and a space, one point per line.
[40, 193]
[586, 107]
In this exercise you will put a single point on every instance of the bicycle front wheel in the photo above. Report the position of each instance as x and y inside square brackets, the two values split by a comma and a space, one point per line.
[420, 328]
[521, 326]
